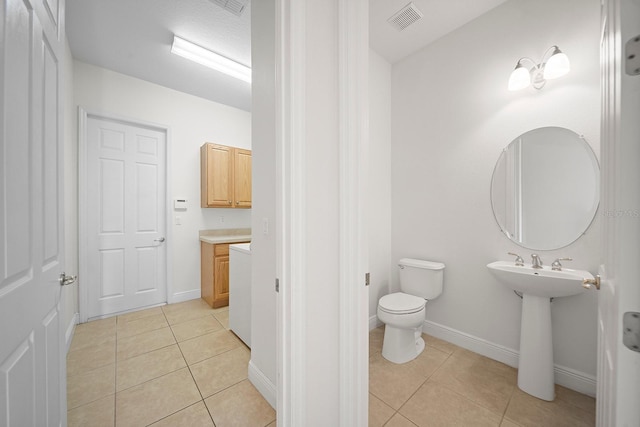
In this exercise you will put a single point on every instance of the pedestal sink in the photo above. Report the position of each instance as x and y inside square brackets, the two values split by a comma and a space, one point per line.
[538, 286]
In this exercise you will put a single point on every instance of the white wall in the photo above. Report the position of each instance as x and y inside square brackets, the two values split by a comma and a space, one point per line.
[263, 244]
[451, 117]
[379, 185]
[192, 121]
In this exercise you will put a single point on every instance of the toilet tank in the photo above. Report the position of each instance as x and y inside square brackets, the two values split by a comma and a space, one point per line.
[421, 278]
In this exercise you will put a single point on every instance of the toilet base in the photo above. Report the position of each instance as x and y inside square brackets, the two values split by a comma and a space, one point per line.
[402, 345]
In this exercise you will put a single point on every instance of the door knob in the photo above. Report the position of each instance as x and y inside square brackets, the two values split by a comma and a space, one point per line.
[162, 239]
[65, 280]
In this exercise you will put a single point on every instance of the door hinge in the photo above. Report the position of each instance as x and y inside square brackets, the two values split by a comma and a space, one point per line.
[277, 285]
[632, 56]
[366, 279]
[631, 330]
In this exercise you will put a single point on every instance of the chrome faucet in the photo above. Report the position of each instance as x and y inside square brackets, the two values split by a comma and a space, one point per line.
[556, 264]
[536, 262]
[519, 260]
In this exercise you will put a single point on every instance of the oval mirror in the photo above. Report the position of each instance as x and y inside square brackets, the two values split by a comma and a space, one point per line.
[545, 188]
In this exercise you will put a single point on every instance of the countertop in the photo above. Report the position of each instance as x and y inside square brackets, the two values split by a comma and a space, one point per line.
[228, 235]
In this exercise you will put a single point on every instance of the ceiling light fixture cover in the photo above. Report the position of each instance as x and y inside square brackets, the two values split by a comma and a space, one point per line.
[554, 64]
[210, 59]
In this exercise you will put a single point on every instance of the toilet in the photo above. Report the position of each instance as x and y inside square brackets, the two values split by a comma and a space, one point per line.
[403, 312]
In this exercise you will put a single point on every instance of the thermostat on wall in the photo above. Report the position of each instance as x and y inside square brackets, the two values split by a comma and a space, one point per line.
[180, 204]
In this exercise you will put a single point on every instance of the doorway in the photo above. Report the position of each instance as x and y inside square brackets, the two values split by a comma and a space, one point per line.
[123, 215]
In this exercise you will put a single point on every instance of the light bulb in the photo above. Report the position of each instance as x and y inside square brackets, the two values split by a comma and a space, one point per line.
[557, 66]
[520, 78]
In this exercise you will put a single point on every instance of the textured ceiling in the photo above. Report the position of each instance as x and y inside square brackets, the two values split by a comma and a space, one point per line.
[134, 37]
[440, 17]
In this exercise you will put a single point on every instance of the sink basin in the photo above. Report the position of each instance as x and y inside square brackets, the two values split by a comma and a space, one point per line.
[541, 282]
[538, 286]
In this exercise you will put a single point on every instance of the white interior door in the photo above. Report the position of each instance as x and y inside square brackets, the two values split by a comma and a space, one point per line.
[125, 216]
[619, 366]
[32, 362]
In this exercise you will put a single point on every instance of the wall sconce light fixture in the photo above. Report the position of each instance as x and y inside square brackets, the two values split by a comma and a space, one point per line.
[554, 64]
[210, 59]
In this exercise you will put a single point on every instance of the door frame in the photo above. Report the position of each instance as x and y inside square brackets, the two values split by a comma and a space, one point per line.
[291, 211]
[83, 115]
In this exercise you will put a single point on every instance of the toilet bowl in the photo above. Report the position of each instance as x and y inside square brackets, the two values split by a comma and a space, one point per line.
[403, 313]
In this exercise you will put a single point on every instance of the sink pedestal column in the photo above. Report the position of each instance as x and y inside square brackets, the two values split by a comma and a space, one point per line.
[535, 366]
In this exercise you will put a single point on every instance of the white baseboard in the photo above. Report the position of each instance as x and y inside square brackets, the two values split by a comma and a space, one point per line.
[566, 377]
[71, 328]
[263, 384]
[374, 322]
[184, 296]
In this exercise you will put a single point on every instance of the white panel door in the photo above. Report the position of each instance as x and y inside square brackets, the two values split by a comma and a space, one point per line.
[619, 366]
[32, 354]
[126, 220]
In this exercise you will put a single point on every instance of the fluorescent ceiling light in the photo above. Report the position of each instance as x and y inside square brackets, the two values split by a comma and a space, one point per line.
[210, 59]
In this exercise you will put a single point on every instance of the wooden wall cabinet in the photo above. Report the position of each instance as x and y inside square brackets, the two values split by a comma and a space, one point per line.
[225, 176]
[214, 273]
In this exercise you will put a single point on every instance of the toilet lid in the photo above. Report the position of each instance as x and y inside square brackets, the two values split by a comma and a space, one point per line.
[401, 303]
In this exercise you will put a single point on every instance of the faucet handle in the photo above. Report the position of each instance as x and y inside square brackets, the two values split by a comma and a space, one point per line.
[556, 264]
[519, 260]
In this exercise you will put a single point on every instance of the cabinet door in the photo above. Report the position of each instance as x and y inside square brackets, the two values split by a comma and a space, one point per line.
[242, 178]
[206, 272]
[221, 281]
[217, 175]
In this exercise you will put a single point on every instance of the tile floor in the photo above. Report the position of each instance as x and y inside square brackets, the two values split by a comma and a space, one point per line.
[178, 365]
[175, 365]
[449, 386]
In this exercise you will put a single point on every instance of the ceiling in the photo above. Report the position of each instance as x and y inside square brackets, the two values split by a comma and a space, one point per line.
[134, 38]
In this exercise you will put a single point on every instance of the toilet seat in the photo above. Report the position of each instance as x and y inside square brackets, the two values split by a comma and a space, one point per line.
[401, 303]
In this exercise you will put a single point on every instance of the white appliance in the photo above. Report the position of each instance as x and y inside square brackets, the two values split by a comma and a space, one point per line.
[240, 291]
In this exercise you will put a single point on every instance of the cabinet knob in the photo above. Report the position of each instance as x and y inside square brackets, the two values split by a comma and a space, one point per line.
[229, 201]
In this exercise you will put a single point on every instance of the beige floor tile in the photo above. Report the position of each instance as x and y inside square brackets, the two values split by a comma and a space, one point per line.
[100, 413]
[223, 318]
[399, 421]
[147, 366]
[140, 314]
[379, 412]
[90, 386]
[188, 310]
[579, 400]
[441, 345]
[375, 340]
[86, 338]
[221, 371]
[506, 423]
[144, 343]
[429, 361]
[240, 405]
[194, 416]
[436, 405]
[526, 410]
[208, 345]
[139, 326]
[156, 399]
[96, 326]
[194, 328]
[480, 379]
[392, 383]
[89, 358]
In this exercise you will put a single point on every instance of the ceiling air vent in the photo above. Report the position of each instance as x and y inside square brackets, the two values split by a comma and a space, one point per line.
[234, 6]
[405, 17]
